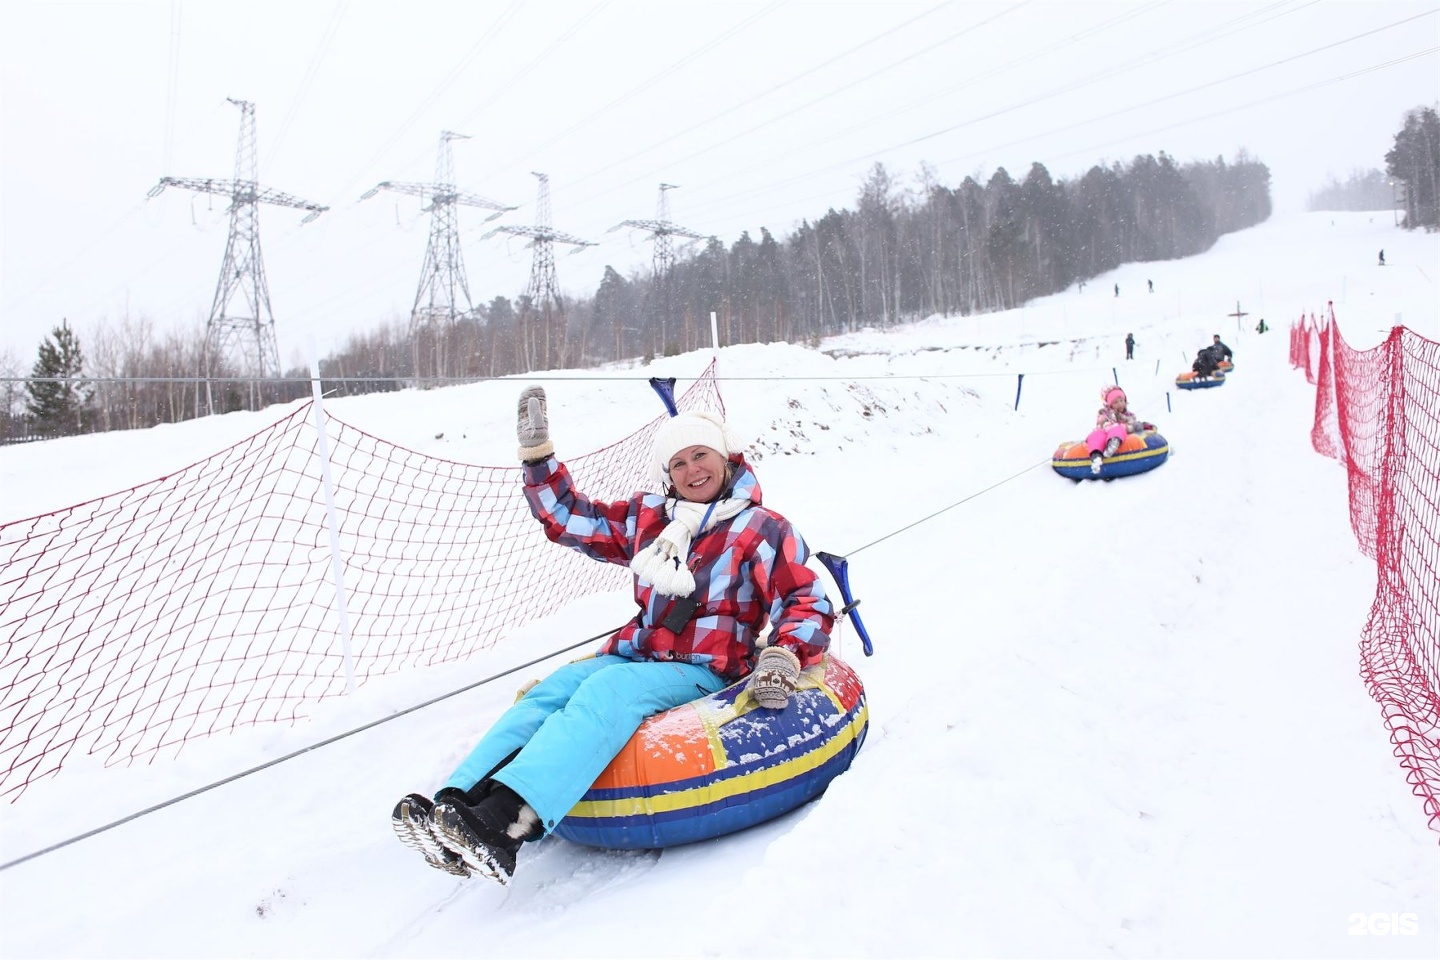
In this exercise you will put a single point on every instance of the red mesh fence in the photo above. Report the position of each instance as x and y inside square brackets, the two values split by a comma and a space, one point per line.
[207, 599]
[1378, 411]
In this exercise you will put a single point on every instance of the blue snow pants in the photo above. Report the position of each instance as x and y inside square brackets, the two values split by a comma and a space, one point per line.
[570, 725]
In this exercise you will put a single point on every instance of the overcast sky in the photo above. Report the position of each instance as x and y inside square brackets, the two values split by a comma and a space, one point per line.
[763, 113]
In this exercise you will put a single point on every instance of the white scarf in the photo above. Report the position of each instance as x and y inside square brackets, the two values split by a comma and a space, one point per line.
[662, 564]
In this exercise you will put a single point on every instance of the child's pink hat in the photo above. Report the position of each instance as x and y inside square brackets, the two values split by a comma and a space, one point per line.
[1111, 393]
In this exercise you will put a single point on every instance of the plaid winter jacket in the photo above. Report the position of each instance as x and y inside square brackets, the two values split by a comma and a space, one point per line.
[1107, 417]
[749, 571]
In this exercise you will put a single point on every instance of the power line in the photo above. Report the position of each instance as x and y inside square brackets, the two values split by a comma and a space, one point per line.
[647, 84]
[311, 72]
[751, 195]
[795, 78]
[728, 202]
[475, 50]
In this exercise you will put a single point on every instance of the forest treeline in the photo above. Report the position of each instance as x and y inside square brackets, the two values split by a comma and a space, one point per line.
[898, 255]
[1361, 190]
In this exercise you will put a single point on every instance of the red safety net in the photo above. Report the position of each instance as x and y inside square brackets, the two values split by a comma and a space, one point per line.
[207, 599]
[1378, 411]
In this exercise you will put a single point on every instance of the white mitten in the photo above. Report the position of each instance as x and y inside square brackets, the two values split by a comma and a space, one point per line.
[532, 426]
[777, 671]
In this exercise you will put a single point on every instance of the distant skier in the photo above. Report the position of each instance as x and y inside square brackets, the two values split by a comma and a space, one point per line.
[1117, 289]
[1382, 258]
[1151, 284]
[1129, 346]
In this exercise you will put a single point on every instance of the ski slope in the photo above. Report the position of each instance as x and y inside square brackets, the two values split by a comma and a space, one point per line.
[1114, 718]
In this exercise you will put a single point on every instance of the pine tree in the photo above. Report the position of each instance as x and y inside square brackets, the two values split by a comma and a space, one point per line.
[1415, 162]
[59, 403]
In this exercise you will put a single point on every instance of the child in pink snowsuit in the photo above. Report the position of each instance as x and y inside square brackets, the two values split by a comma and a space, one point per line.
[1112, 422]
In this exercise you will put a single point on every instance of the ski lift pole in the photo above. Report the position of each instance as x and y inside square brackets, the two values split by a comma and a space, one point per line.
[839, 569]
[666, 389]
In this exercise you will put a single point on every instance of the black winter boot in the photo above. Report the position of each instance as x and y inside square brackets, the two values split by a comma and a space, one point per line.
[411, 822]
[487, 835]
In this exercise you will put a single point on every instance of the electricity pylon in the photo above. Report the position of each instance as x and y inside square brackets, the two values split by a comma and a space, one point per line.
[444, 294]
[542, 298]
[241, 342]
[662, 287]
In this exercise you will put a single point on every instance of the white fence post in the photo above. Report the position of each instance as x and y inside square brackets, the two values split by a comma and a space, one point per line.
[337, 568]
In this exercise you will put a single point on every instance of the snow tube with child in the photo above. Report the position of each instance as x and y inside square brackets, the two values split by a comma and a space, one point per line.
[722, 763]
[1189, 380]
[1138, 452]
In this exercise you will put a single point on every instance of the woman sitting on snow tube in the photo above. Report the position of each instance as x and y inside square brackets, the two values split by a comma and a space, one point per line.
[712, 568]
[1113, 423]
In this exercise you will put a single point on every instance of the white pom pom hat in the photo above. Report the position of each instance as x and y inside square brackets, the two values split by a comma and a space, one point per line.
[689, 429]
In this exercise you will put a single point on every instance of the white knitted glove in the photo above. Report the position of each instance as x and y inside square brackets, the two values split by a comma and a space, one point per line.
[777, 670]
[532, 426]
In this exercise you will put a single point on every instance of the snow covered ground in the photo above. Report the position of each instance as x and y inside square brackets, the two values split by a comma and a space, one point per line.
[1106, 718]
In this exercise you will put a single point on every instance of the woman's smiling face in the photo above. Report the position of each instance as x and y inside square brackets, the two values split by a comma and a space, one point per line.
[698, 473]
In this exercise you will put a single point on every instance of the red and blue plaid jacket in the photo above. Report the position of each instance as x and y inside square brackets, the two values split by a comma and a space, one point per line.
[1106, 416]
[749, 571]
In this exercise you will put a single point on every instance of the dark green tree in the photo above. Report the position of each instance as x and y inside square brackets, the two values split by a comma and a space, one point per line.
[1006, 246]
[59, 403]
[1047, 233]
[772, 290]
[618, 313]
[1414, 161]
[875, 236]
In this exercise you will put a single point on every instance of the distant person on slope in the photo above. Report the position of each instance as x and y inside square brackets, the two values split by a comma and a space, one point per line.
[713, 568]
[1129, 346]
[1382, 258]
[1112, 423]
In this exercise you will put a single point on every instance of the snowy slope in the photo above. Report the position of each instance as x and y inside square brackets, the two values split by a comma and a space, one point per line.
[1106, 718]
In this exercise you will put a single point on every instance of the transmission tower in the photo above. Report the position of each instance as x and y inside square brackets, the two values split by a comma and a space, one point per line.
[542, 297]
[662, 231]
[240, 337]
[444, 294]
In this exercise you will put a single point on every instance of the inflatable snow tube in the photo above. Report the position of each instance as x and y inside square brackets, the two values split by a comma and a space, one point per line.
[721, 763]
[1138, 452]
[1225, 366]
[1189, 381]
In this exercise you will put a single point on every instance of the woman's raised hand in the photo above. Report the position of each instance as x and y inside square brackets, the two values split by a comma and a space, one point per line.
[532, 425]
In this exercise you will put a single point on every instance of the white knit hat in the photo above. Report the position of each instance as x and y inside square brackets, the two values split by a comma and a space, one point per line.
[689, 429]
